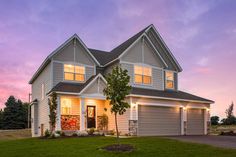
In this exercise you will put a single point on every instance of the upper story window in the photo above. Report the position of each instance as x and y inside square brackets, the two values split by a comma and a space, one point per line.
[142, 75]
[74, 73]
[169, 80]
[65, 106]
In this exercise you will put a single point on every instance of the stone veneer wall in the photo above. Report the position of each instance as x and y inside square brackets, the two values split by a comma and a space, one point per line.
[70, 122]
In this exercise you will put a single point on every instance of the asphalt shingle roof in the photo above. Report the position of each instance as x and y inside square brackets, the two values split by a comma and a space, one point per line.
[105, 57]
[167, 94]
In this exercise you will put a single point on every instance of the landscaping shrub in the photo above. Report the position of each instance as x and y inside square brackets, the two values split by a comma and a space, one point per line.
[63, 134]
[82, 133]
[47, 133]
[74, 135]
[91, 131]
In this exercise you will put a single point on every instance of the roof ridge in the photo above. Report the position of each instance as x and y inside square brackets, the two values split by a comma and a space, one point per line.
[135, 35]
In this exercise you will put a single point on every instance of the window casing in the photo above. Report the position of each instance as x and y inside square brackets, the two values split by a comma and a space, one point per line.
[169, 80]
[142, 75]
[42, 91]
[74, 73]
[66, 106]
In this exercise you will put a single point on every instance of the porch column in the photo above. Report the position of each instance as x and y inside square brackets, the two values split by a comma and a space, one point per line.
[183, 117]
[58, 120]
[82, 114]
[206, 120]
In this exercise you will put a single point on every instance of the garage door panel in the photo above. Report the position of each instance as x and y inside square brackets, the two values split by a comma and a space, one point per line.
[154, 120]
[195, 122]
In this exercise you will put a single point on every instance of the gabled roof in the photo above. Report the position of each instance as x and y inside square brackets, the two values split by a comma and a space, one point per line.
[76, 88]
[104, 58]
[49, 57]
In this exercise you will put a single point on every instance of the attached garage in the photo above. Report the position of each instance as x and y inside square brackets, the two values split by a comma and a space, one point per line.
[158, 121]
[195, 122]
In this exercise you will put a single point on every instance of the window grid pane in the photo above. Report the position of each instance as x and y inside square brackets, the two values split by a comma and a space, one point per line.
[79, 77]
[138, 70]
[69, 76]
[69, 68]
[138, 79]
[146, 79]
[79, 70]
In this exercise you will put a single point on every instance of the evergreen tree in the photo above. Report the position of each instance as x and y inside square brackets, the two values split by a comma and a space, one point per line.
[14, 114]
[230, 118]
[1, 118]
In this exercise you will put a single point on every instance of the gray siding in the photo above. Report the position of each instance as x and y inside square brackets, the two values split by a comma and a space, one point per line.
[160, 47]
[151, 57]
[89, 71]
[153, 120]
[110, 67]
[195, 122]
[58, 72]
[71, 53]
[134, 54]
[157, 77]
[40, 113]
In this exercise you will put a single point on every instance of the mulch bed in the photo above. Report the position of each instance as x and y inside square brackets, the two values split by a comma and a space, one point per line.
[119, 148]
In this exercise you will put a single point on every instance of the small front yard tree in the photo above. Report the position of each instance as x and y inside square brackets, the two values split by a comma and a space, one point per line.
[52, 103]
[116, 91]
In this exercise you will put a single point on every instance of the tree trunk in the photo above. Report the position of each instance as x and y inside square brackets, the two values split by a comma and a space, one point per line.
[117, 131]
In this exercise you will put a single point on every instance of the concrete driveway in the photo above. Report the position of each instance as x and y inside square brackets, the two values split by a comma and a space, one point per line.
[218, 141]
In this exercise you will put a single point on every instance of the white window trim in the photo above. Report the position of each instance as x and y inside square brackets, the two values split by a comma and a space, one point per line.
[42, 91]
[74, 64]
[166, 79]
[142, 65]
[66, 107]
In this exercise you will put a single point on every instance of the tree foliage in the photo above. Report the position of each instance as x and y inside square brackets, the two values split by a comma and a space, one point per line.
[14, 115]
[116, 91]
[1, 118]
[215, 120]
[230, 118]
[52, 103]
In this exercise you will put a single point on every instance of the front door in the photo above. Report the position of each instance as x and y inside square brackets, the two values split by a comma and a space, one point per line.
[91, 117]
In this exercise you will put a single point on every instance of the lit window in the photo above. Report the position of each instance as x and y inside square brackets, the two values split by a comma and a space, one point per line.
[65, 106]
[143, 75]
[74, 72]
[42, 91]
[169, 80]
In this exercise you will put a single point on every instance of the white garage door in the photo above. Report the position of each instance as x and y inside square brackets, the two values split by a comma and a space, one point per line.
[153, 120]
[195, 122]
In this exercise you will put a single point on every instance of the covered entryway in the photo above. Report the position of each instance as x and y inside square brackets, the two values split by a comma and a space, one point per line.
[158, 121]
[195, 121]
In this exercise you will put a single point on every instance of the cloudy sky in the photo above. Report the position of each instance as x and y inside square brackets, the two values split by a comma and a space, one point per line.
[201, 34]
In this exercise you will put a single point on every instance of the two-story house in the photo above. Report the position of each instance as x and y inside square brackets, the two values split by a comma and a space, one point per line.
[76, 73]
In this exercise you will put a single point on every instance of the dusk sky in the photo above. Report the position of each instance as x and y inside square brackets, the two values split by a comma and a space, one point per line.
[201, 34]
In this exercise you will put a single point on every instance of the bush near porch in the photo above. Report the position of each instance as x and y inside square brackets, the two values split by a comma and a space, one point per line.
[83, 147]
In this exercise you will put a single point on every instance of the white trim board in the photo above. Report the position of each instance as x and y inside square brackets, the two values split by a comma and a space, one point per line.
[174, 99]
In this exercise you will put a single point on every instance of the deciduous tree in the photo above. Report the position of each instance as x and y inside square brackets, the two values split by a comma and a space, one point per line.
[116, 91]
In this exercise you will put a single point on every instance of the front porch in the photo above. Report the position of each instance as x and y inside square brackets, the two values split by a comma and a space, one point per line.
[81, 113]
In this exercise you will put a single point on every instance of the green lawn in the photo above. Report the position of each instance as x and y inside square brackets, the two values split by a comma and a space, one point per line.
[89, 146]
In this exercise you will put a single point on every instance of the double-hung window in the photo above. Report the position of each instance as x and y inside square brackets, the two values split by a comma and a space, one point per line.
[142, 75]
[65, 106]
[169, 80]
[74, 73]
